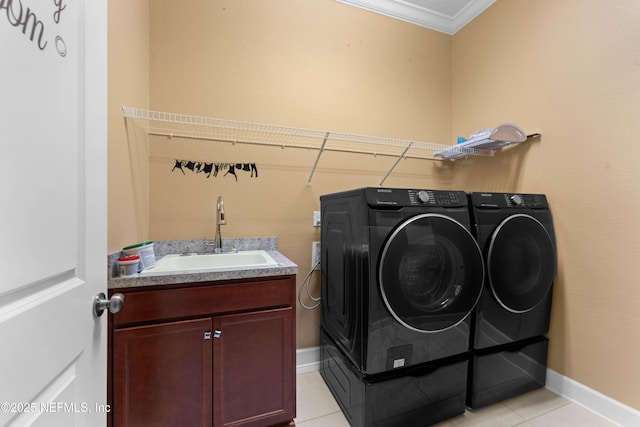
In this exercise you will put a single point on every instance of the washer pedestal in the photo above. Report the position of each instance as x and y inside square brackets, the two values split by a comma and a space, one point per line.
[500, 373]
[415, 397]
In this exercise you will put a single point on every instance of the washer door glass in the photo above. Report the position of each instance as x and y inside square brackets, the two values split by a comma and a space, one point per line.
[431, 273]
[521, 263]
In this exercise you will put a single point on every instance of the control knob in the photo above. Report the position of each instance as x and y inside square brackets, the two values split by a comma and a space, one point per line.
[423, 196]
[516, 199]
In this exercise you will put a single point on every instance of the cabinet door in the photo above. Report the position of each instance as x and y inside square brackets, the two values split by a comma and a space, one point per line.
[162, 375]
[254, 370]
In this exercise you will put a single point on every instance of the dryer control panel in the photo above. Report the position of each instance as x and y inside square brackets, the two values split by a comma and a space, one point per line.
[415, 197]
[509, 200]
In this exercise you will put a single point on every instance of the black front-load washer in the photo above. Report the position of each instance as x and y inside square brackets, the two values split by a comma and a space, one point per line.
[511, 320]
[401, 272]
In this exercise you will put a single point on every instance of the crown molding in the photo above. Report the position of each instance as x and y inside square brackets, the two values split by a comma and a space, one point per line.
[409, 12]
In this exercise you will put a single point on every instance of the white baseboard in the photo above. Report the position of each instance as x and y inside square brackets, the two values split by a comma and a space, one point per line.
[593, 400]
[308, 360]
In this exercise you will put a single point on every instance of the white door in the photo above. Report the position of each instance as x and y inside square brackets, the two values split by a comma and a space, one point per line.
[52, 212]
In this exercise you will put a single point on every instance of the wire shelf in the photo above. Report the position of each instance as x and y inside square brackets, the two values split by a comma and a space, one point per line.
[212, 129]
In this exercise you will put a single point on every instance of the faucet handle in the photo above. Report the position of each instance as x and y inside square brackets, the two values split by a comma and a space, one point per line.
[221, 219]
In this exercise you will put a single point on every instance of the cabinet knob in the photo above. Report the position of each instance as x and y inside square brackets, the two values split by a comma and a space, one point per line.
[101, 303]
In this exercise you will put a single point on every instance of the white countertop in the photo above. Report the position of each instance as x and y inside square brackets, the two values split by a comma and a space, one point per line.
[284, 266]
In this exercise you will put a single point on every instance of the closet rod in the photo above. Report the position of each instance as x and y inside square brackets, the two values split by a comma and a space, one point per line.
[290, 145]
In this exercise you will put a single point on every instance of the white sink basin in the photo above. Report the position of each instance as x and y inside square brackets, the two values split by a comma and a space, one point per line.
[212, 262]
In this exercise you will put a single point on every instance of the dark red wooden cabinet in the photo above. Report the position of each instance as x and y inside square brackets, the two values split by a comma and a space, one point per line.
[206, 354]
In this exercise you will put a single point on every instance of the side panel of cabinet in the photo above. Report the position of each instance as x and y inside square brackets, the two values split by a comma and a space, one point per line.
[162, 375]
[254, 369]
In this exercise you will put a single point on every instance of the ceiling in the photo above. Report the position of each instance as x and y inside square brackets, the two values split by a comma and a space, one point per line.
[447, 16]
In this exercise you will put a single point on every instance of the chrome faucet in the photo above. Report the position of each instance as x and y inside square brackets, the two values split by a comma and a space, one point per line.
[220, 220]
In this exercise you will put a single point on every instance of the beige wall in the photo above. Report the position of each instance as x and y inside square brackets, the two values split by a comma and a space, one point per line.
[128, 75]
[311, 64]
[570, 74]
[569, 70]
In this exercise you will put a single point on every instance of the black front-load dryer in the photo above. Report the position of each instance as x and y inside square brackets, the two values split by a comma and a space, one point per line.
[511, 320]
[516, 234]
[401, 273]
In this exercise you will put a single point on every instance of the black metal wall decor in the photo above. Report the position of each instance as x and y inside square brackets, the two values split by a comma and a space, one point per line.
[214, 169]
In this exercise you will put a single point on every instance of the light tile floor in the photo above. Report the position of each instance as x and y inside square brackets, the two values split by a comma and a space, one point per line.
[539, 408]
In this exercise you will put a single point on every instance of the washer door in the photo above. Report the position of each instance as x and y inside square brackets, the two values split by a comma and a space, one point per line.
[521, 263]
[430, 273]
